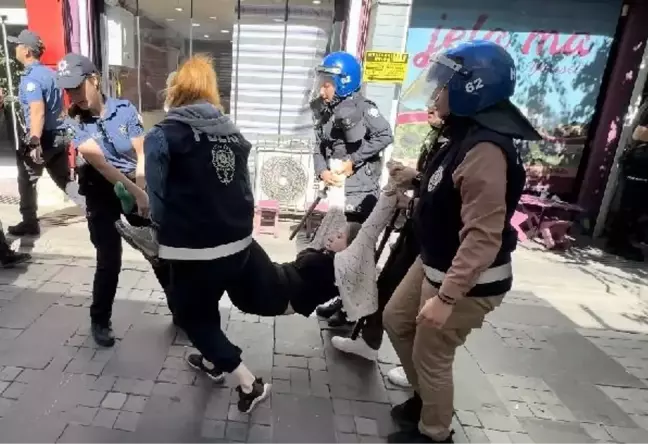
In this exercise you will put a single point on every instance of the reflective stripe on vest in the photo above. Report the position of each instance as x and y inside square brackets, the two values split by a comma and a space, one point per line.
[492, 275]
[204, 254]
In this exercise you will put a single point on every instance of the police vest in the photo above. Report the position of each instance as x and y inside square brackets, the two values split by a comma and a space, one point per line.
[437, 217]
[208, 202]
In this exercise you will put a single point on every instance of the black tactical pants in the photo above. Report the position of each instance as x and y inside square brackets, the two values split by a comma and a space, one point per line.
[103, 209]
[628, 225]
[253, 284]
[55, 159]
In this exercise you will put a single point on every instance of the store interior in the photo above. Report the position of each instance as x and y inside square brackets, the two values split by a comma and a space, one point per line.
[140, 57]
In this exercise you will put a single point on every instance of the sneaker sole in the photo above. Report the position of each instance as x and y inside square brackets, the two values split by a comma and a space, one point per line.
[266, 392]
[219, 379]
[129, 240]
[367, 356]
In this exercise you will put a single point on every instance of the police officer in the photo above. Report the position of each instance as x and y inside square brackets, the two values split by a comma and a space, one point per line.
[401, 257]
[109, 136]
[349, 127]
[627, 231]
[468, 194]
[45, 144]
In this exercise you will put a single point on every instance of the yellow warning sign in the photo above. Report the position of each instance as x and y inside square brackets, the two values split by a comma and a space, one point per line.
[385, 67]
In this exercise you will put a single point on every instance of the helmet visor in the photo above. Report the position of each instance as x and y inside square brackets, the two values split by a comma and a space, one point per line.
[323, 78]
[438, 75]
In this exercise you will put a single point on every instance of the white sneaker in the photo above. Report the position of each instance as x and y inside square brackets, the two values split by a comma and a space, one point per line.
[358, 347]
[398, 377]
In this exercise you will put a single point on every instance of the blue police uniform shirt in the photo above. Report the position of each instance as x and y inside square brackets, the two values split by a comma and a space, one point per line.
[112, 132]
[38, 82]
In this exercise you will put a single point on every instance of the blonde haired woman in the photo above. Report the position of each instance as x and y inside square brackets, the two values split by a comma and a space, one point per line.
[202, 206]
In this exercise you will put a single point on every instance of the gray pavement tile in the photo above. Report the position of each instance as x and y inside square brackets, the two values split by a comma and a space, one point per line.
[82, 434]
[236, 431]
[9, 373]
[259, 433]
[39, 343]
[344, 423]
[114, 401]
[135, 403]
[302, 419]
[628, 434]
[127, 421]
[105, 418]
[143, 350]
[370, 439]
[5, 406]
[467, 418]
[366, 426]
[81, 415]
[597, 432]
[347, 438]
[283, 361]
[555, 432]
[45, 429]
[233, 414]
[588, 403]
[262, 415]
[476, 434]
[213, 429]
[14, 391]
[174, 417]
[307, 343]
[133, 386]
[498, 422]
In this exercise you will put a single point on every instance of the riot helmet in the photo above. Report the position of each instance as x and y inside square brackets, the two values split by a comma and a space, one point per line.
[339, 71]
[475, 76]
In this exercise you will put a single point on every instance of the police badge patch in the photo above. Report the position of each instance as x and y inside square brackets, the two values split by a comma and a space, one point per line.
[373, 112]
[30, 87]
[435, 180]
[224, 161]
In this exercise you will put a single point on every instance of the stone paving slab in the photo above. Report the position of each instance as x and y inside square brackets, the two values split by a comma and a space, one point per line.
[549, 365]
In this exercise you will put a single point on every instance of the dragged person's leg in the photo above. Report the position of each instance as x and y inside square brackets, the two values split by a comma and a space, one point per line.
[270, 289]
[195, 290]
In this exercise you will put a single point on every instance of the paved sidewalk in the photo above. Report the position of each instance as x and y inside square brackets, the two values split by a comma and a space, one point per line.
[565, 359]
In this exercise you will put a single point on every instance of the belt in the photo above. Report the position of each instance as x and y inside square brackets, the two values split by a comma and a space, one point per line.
[495, 274]
[204, 254]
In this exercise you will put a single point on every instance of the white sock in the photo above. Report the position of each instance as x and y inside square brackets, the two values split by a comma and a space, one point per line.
[245, 377]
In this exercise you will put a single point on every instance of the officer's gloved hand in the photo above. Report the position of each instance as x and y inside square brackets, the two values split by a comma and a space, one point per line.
[348, 118]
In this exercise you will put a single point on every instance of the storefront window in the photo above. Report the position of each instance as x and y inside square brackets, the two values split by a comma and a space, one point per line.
[14, 20]
[560, 65]
[263, 51]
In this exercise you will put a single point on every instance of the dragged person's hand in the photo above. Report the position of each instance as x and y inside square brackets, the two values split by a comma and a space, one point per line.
[331, 178]
[402, 175]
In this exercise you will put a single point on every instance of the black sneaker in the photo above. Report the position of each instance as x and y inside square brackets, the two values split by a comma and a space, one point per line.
[408, 414]
[414, 436]
[25, 228]
[247, 401]
[339, 319]
[13, 258]
[103, 335]
[329, 309]
[197, 362]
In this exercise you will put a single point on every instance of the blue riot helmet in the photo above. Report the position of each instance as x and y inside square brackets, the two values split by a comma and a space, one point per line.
[343, 70]
[477, 75]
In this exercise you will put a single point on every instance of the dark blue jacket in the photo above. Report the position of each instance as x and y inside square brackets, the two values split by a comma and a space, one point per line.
[198, 184]
[437, 216]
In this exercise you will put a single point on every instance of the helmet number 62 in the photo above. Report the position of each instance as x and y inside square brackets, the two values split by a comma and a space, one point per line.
[474, 85]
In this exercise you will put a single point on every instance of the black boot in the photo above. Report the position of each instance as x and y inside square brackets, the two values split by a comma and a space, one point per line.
[339, 319]
[103, 334]
[10, 258]
[25, 228]
[329, 309]
[408, 414]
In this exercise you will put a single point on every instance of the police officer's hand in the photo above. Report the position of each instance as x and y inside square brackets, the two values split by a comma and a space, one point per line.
[346, 168]
[434, 312]
[330, 178]
[36, 154]
[142, 200]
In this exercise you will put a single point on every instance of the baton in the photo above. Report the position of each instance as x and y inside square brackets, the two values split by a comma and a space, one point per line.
[303, 220]
[388, 232]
